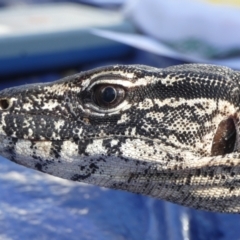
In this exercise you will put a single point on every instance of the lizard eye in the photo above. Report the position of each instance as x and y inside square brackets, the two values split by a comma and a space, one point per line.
[108, 95]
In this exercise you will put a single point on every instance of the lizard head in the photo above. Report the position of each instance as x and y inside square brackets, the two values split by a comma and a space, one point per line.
[137, 128]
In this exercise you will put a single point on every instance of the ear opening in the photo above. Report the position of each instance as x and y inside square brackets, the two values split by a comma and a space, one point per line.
[224, 140]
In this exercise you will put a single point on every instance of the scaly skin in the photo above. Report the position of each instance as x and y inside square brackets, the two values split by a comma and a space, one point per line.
[169, 133]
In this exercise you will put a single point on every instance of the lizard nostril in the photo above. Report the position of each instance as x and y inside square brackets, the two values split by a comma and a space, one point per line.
[4, 104]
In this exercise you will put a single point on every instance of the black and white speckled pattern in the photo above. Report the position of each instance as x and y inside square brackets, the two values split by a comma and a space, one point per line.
[173, 134]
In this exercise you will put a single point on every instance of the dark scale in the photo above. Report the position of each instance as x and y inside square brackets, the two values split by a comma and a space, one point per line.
[56, 147]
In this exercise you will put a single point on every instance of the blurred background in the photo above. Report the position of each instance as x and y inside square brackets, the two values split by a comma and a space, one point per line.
[45, 40]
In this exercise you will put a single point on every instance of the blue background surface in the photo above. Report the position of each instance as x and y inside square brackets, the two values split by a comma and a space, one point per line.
[37, 206]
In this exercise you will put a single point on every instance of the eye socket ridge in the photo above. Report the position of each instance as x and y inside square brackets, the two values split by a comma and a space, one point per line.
[108, 95]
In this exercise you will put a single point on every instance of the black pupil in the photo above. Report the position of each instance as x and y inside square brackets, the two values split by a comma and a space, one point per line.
[108, 94]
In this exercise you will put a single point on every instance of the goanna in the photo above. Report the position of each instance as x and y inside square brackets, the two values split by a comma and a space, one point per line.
[170, 133]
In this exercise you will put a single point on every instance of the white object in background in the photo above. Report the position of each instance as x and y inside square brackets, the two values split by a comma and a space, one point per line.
[152, 45]
[197, 27]
[104, 2]
[194, 31]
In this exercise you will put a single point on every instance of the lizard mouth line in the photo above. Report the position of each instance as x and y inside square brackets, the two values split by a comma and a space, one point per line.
[224, 140]
[172, 148]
